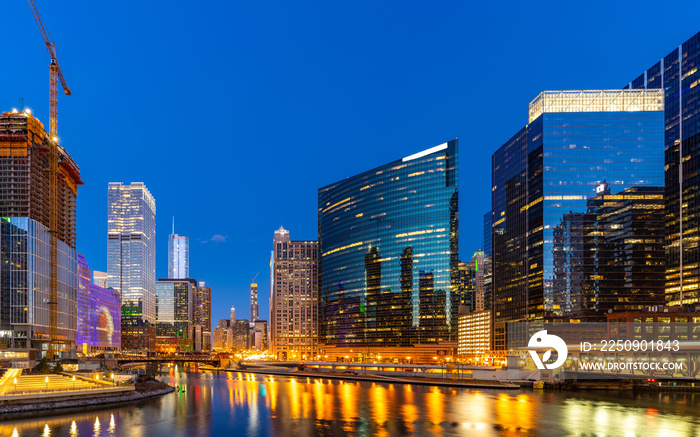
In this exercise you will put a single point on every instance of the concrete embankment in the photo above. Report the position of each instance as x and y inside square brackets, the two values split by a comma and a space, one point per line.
[494, 385]
[145, 390]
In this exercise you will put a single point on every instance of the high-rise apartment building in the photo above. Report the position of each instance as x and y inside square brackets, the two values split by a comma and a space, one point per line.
[202, 313]
[575, 140]
[131, 250]
[294, 301]
[253, 302]
[178, 256]
[677, 76]
[28, 255]
[388, 239]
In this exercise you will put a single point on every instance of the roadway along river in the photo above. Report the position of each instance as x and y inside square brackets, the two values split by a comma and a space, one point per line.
[237, 404]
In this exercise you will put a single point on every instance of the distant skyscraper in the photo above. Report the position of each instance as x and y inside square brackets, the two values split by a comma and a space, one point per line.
[574, 141]
[253, 302]
[294, 302]
[202, 313]
[233, 314]
[677, 76]
[175, 307]
[100, 278]
[131, 250]
[389, 259]
[178, 256]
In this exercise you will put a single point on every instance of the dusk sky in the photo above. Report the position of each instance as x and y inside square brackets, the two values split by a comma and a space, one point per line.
[235, 113]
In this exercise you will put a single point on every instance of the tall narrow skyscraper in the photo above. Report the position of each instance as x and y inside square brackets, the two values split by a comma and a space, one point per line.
[253, 302]
[294, 302]
[178, 256]
[131, 250]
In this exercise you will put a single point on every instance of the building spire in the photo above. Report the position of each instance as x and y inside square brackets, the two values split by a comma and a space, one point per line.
[173, 225]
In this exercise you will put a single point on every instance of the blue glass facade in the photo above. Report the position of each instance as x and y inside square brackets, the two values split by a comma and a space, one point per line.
[679, 76]
[389, 253]
[488, 223]
[548, 170]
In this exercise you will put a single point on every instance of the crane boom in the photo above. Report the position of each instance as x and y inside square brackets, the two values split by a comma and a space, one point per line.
[56, 73]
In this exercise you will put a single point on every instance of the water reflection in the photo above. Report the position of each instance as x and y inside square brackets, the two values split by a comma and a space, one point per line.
[209, 404]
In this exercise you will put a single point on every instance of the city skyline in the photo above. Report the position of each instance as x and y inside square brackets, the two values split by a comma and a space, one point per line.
[79, 120]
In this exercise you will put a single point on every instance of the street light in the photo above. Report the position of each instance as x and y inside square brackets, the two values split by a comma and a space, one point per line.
[47, 383]
[73, 382]
[113, 382]
[15, 384]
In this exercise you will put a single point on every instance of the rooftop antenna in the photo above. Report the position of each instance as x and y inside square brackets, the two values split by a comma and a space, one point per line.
[173, 225]
[21, 104]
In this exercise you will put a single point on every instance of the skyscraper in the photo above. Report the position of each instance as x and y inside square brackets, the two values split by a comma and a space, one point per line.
[294, 302]
[677, 77]
[388, 239]
[131, 249]
[178, 256]
[175, 309]
[202, 313]
[233, 314]
[575, 140]
[30, 251]
[253, 302]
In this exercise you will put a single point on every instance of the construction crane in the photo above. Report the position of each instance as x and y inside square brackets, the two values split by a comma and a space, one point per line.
[55, 76]
[256, 277]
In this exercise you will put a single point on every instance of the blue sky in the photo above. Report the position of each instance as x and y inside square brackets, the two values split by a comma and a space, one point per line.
[235, 113]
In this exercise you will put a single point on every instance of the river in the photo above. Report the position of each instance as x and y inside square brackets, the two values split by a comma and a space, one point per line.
[240, 404]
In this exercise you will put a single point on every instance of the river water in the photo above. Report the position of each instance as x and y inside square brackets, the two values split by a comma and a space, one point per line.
[239, 404]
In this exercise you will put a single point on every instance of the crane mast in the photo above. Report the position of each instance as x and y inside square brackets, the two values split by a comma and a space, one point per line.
[55, 76]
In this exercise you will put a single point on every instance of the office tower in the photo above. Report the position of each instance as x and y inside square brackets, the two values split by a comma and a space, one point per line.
[178, 256]
[239, 335]
[294, 301]
[202, 313]
[220, 335]
[610, 258]
[131, 250]
[677, 77]
[488, 222]
[474, 281]
[233, 314]
[28, 317]
[100, 278]
[575, 140]
[474, 335]
[389, 259]
[261, 326]
[253, 302]
[175, 309]
[99, 314]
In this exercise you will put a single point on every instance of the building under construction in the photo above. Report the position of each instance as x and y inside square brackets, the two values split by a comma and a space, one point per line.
[34, 312]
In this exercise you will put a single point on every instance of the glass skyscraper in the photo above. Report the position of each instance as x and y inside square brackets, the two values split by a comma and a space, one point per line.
[389, 254]
[677, 76]
[488, 222]
[131, 250]
[178, 256]
[99, 314]
[175, 307]
[574, 142]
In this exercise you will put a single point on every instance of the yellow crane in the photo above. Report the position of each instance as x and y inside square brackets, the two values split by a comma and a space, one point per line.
[55, 76]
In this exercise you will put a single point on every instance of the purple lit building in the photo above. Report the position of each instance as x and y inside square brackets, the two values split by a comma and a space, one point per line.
[99, 314]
